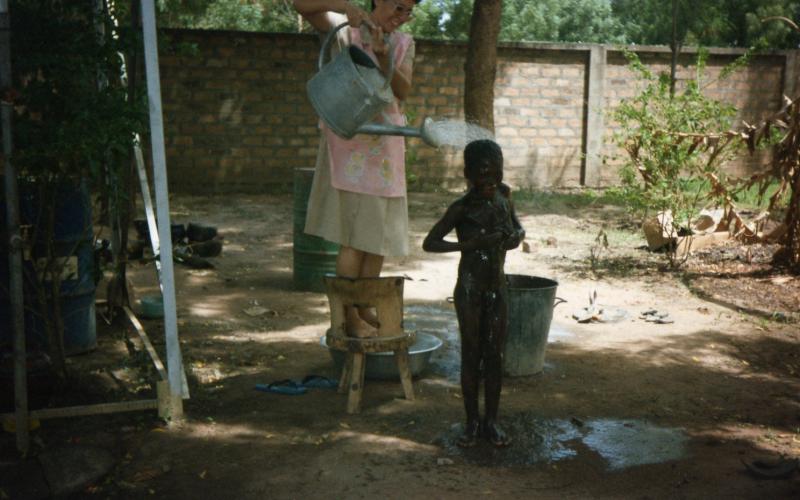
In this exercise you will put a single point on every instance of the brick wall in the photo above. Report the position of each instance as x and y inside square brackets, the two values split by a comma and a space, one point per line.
[756, 91]
[237, 118]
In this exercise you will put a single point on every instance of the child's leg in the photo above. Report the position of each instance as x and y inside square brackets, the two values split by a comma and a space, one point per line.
[493, 342]
[469, 325]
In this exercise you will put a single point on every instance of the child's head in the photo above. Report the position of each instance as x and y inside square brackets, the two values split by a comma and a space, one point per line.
[483, 163]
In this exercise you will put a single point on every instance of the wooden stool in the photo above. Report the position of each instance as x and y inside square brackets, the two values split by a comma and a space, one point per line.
[386, 296]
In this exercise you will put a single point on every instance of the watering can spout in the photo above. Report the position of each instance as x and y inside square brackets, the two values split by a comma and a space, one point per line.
[425, 132]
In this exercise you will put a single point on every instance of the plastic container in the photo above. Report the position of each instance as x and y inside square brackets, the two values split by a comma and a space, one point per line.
[313, 257]
[71, 241]
[152, 306]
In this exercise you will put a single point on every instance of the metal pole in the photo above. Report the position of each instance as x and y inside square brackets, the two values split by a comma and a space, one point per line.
[174, 361]
[14, 239]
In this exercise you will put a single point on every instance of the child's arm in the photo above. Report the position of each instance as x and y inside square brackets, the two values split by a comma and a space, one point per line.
[435, 241]
[515, 238]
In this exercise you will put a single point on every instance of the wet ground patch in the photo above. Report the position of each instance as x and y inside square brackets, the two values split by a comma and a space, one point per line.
[620, 443]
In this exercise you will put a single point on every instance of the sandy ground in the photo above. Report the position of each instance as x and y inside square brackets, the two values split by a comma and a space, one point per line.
[629, 409]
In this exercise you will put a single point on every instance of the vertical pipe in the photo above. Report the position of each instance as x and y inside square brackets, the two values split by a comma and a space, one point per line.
[14, 239]
[174, 361]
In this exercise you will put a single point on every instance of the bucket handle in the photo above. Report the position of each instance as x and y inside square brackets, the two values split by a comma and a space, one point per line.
[558, 301]
[324, 50]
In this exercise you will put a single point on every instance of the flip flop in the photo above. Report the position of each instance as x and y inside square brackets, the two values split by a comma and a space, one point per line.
[319, 382]
[286, 387]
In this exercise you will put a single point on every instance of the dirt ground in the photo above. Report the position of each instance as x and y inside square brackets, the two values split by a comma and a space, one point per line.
[630, 409]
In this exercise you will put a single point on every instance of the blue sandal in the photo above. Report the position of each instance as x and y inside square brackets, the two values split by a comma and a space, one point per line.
[319, 382]
[286, 387]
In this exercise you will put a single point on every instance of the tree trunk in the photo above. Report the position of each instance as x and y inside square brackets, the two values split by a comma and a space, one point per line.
[675, 48]
[481, 64]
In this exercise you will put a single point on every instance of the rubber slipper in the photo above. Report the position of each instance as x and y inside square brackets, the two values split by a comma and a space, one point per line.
[320, 382]
[287, 387]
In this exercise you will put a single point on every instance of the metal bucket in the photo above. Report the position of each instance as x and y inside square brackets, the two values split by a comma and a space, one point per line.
[313, 257]
[383, 365]
[530, 310]
[347, 95]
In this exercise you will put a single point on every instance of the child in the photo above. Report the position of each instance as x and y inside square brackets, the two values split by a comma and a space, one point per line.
[486, 226]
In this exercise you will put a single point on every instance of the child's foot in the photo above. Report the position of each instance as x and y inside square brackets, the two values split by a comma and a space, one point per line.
[470, 436]
[495, 434]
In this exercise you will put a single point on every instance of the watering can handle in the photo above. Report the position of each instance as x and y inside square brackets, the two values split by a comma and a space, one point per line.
[326, 44]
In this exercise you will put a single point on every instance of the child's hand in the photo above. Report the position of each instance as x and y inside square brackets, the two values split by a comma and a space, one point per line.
[483, 242]
[514, 239]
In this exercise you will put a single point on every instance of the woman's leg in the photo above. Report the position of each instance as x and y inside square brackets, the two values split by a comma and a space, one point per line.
[349, 264]
[370, 268]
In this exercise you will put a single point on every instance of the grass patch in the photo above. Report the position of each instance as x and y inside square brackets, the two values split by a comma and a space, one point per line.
[565, 201]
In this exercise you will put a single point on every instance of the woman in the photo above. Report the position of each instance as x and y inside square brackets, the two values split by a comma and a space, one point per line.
[358, 196]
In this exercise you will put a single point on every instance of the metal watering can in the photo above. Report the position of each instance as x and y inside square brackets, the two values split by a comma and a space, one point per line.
[350, 91]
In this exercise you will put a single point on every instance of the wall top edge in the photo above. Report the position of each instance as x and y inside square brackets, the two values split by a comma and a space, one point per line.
[550, 46]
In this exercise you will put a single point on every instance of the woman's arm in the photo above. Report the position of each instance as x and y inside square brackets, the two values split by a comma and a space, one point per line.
[401, 80]
[315, 12]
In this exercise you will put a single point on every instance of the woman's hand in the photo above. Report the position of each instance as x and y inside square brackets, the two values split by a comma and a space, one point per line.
[379, 45]
[356, 16]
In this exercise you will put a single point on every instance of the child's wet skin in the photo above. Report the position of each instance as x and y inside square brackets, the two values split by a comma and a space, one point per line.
[486, 226]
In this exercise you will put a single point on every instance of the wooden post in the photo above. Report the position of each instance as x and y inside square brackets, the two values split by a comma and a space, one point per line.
[14, 239]
[347, 369]
[791, 68]
[356, 382]
[95, 409]
[174, 358]
[594, 126]
[401, 355]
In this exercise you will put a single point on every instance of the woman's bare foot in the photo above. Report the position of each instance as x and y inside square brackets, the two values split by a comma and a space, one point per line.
[357, 327]
[495, 434]
[361, 329]
[470, 436]
[368, 315]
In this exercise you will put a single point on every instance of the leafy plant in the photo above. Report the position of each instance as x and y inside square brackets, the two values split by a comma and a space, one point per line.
[659, 174]
[73, 126]
[598, 248]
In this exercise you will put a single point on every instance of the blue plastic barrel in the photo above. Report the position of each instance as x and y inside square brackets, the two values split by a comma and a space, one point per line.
[72, 240]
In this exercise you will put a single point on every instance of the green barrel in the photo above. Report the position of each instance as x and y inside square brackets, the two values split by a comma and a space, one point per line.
[530, 310]
[313, 256]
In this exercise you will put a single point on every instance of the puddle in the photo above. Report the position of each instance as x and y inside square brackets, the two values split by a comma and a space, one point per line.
[626, 443]
[536, 440]
[621, 443]
[558, 333]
